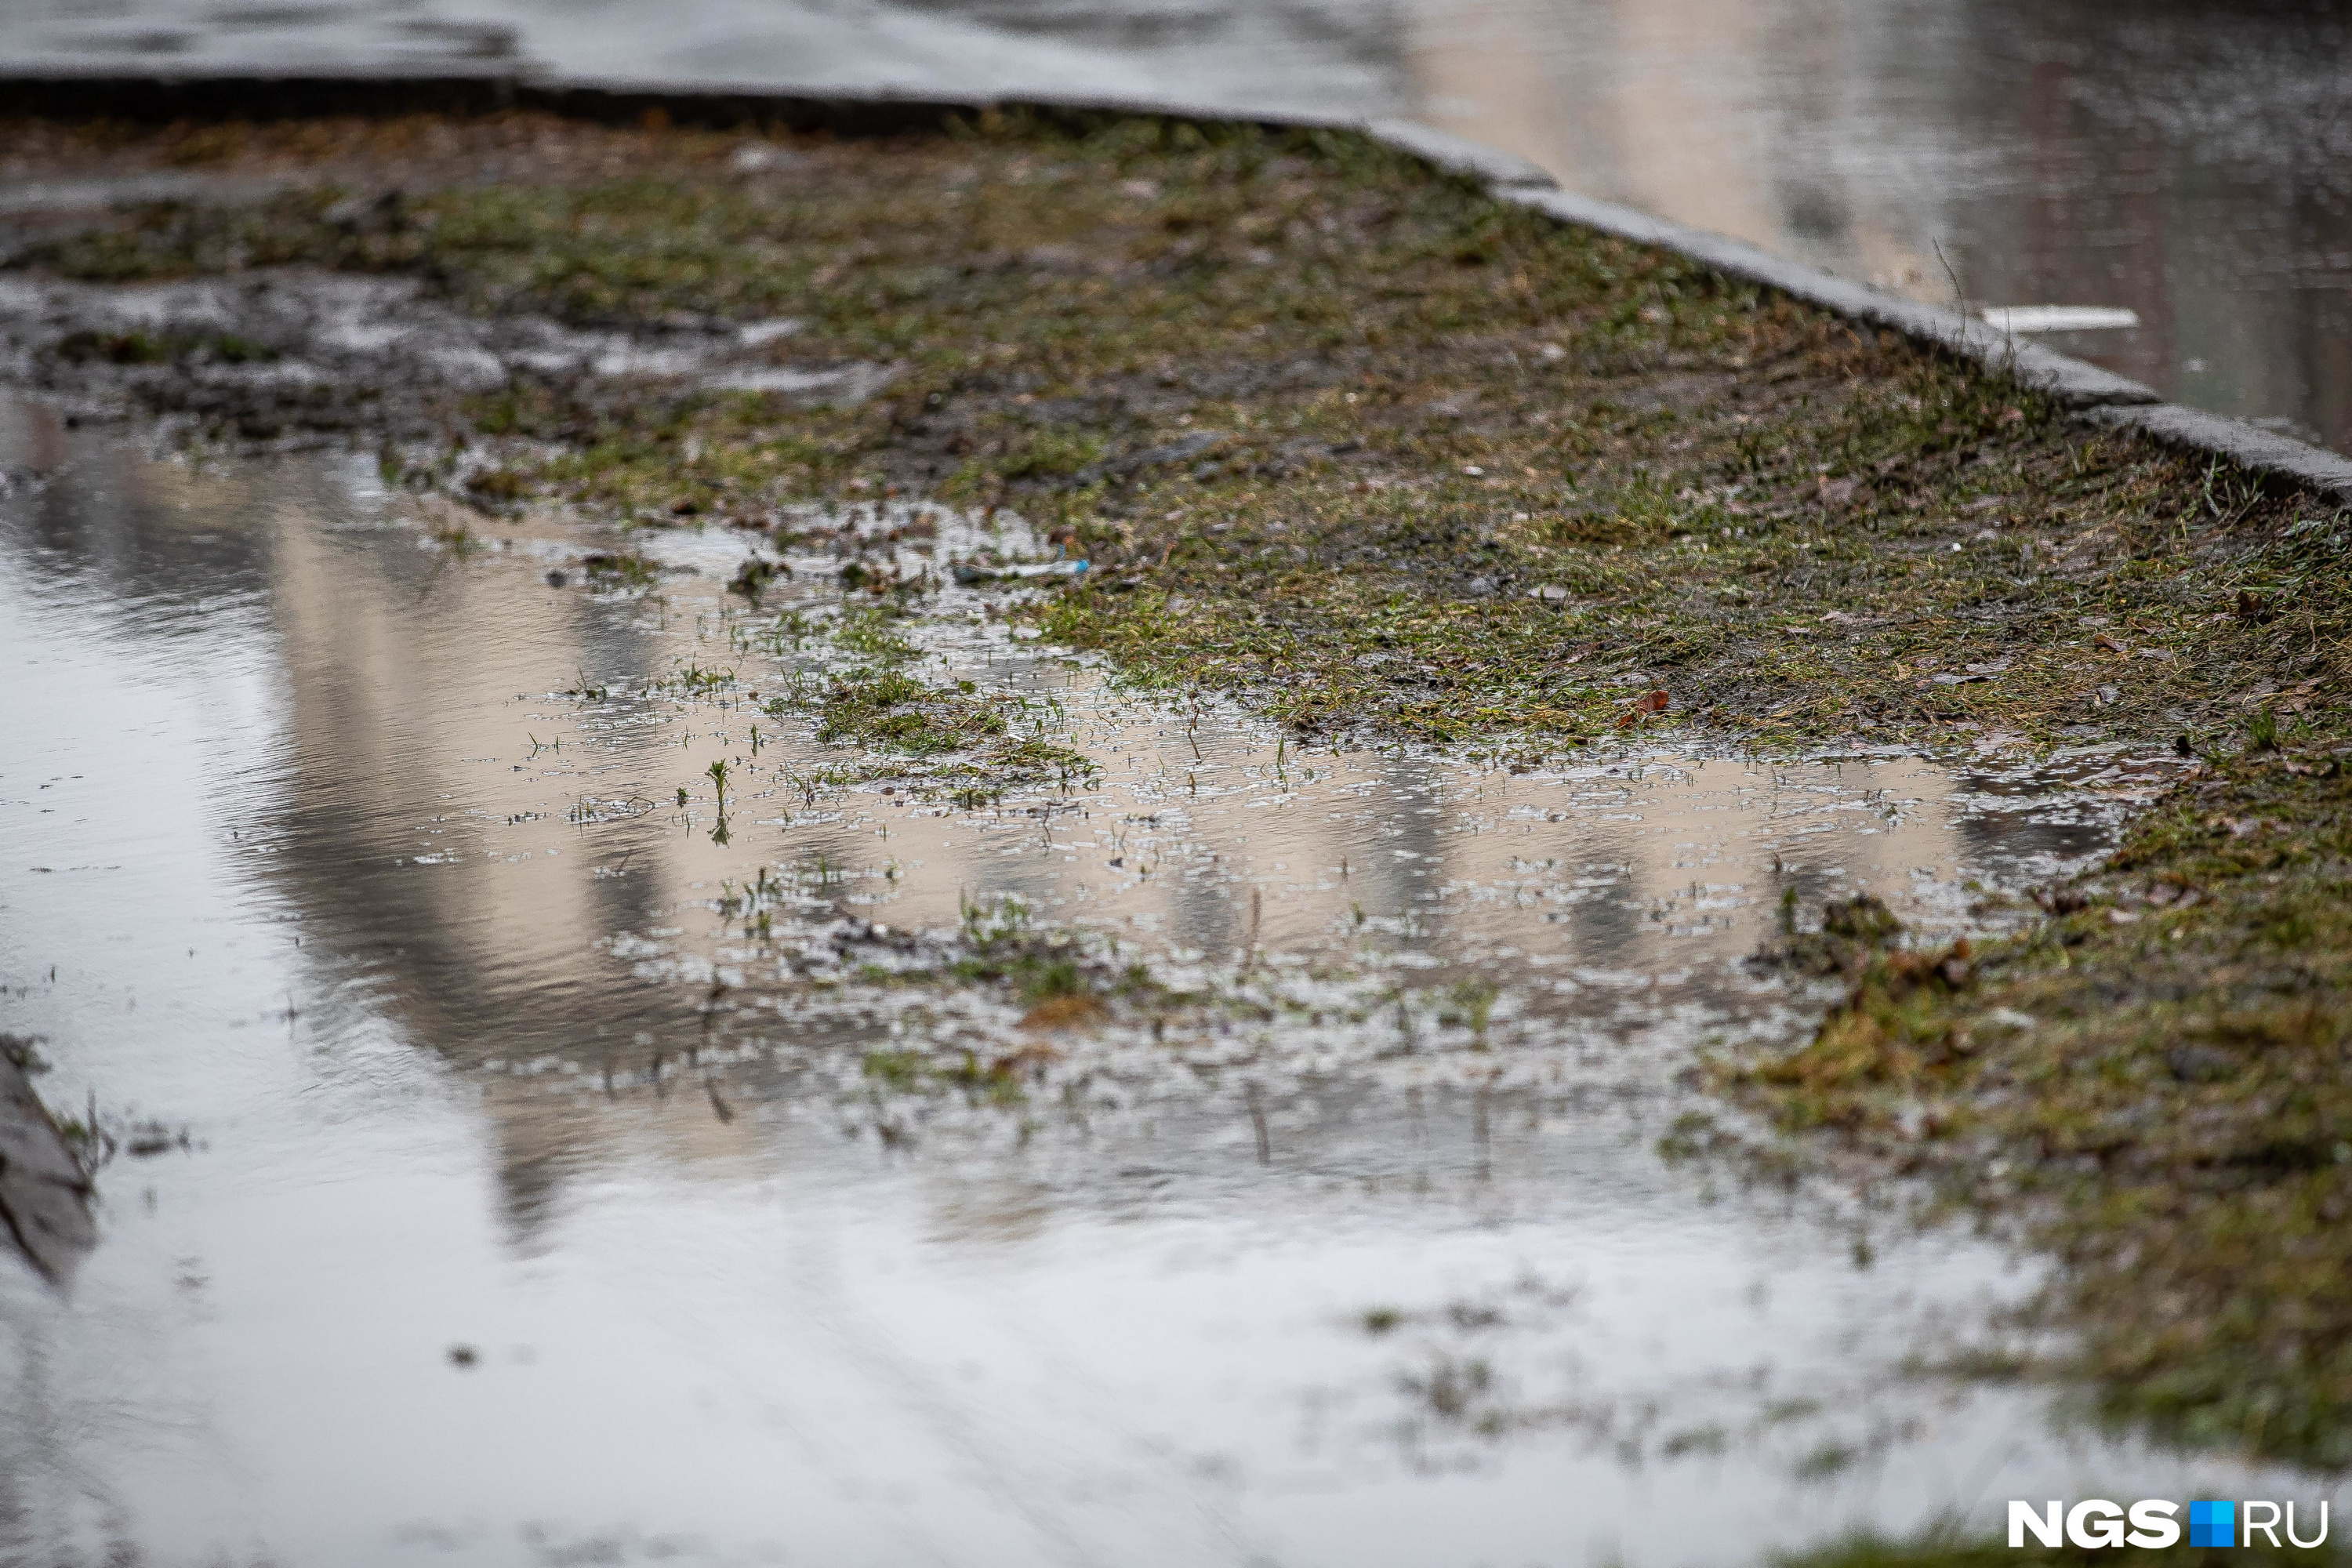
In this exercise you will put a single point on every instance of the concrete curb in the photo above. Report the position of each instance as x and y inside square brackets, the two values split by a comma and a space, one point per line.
[2098, 395]
[2248, 445]
[1504, 173]
[2071, 381]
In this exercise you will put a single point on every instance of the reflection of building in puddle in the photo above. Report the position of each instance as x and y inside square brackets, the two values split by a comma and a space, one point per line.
[2168, 161]
[412, 677]
[1722, 115]
[423, 834]
[2164, 161]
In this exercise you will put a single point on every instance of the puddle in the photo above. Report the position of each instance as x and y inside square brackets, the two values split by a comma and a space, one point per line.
[511, 1195]
[299, 333]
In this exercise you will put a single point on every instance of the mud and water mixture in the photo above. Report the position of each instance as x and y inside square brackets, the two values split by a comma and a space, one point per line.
[703, 885]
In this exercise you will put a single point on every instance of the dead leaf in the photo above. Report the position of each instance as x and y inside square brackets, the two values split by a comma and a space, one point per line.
[1075, 1011]
[1656, 702]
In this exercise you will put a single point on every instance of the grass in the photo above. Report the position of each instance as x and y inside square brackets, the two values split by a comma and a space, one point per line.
[886, 710]
[865, 631]
[892, 710]
[1905, 551]
[1450, 469]
[1000, 1081]
[2158, 1074]
[1061, 980]
[621, 569]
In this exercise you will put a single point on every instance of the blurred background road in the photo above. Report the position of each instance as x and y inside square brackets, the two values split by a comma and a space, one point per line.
[2176, 174]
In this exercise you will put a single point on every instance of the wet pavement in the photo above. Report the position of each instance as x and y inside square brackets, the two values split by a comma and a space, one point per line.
[525, 1148]
[2171, 177]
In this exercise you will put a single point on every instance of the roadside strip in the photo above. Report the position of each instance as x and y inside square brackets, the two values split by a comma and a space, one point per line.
[2102, 396]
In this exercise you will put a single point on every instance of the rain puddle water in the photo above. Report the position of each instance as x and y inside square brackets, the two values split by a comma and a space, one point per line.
[550, 1173]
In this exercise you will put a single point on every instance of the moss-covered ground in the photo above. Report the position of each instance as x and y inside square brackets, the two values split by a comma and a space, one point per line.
[1388, 457]
[2164, 1059]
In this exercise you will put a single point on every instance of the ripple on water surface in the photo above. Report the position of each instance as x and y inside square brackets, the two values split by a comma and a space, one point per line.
[540, 1201]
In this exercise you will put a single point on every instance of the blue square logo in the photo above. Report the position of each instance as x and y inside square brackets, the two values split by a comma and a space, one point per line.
[2212, 1524]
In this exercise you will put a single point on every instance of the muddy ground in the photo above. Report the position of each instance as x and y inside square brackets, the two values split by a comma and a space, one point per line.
[1388, 458]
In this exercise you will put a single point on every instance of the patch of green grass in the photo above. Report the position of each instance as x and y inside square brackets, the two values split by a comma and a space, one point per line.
[865, 631]
[621, 569]
[996, 1081]
[900, 1072]
[1029, 756]
[669, 457]
[889, 710]
[1049, 456]
[892, 710]
[754, 578]
[696, 679]
[1454, 469]
[454, 536]
[497, 486]
[1057, 974]
[2157, 1075]
[1915, 550]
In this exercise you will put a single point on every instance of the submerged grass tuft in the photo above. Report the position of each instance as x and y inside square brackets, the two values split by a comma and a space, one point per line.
[2159, 1073]
[888, 710]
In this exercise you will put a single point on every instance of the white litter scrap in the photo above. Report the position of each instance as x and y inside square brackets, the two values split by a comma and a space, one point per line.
[970, 572]
[2061, 318]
